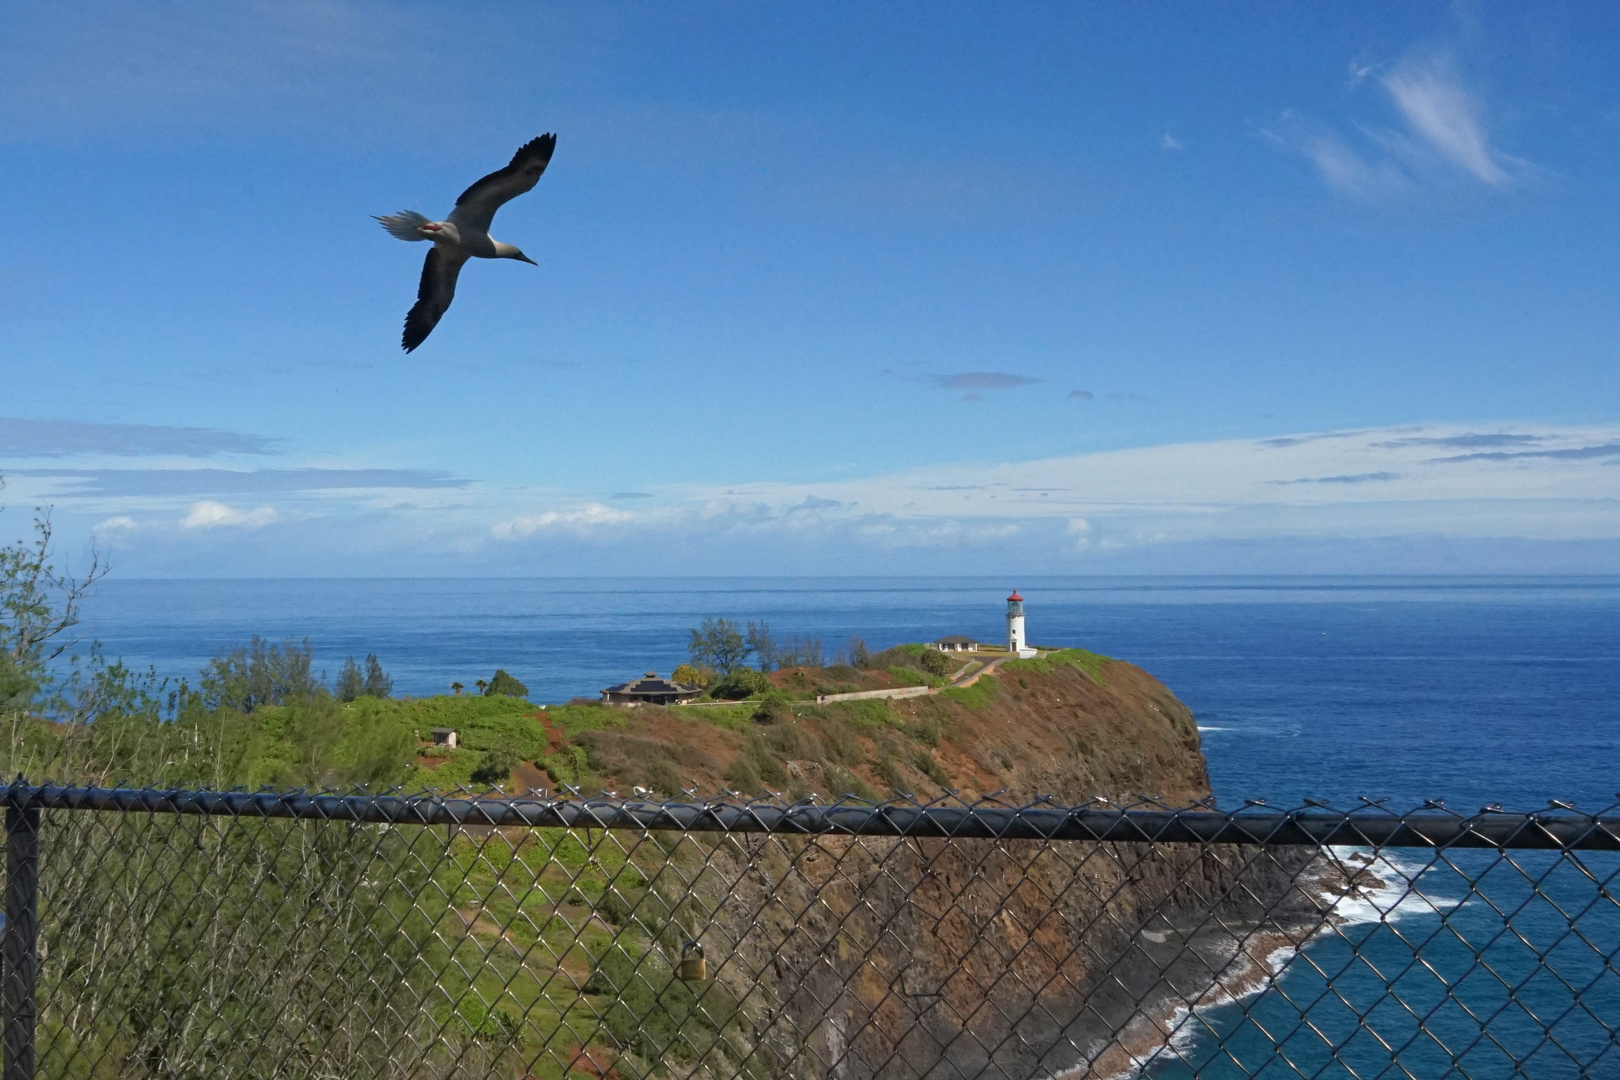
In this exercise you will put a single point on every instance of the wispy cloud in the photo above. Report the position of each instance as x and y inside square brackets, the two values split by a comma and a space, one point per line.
[1439, 139]
[1169, 142]
[1445, 117]
[212, 515]
[122, 482]
[621, 495]
[1349, 478]
[975, 383]
[21, 438]
[1571, 453]
[983, 380]
[102, 65]
[1468, 440]
[1381, 482]
[1081, 395]
[573, 519]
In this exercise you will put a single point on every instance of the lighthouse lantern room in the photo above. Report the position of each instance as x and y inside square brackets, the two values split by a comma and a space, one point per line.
[1017, 643]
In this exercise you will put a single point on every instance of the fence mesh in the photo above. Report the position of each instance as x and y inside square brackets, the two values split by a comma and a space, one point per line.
[186, 934]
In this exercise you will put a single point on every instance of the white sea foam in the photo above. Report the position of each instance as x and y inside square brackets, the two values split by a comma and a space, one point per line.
[1397, 895]
[1400, 893]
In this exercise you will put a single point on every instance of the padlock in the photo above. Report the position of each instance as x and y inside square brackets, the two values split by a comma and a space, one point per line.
[693, 967]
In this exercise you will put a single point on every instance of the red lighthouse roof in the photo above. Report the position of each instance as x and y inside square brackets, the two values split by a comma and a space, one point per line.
[1015, 596]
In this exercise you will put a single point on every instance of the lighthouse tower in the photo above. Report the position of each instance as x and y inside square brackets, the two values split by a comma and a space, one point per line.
[1017, 643]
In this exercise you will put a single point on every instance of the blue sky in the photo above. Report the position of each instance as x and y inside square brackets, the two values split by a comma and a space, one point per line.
[823, 288]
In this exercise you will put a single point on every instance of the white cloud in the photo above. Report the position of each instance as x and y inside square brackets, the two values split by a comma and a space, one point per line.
[1445, 116]
[1169, 142]
[115, 523]
[208, 514]
[1525, 482]
[576, 518]
[1441, 139]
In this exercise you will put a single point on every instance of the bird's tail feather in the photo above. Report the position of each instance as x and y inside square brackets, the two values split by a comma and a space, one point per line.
[403, 225]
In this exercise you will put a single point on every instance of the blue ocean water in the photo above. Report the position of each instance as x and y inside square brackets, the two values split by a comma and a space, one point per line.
[1474, 691]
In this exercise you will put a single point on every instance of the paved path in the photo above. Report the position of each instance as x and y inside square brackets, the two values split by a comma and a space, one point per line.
[962, 678]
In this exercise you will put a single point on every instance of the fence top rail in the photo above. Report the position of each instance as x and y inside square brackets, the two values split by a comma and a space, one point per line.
[1560, 827]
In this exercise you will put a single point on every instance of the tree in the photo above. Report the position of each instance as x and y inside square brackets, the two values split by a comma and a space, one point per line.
[496, 764]
[719, 644]
[502, 683]
[378, 684]
[350, 683]
[763, 645]
[799, 651]
[38, 606]
[858, 653]
[687, 675]
[246, 678]
[935, 662]
[456, 688]
[482, 684]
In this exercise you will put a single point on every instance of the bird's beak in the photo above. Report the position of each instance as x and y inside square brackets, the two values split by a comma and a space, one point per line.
[528, 260]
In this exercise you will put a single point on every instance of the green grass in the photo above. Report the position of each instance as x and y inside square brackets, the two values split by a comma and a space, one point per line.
[869, 713]
[977, 696]
[904, 676]
[1089, 662]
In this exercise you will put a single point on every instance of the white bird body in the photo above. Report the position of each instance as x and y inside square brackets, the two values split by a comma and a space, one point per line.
[465, 235]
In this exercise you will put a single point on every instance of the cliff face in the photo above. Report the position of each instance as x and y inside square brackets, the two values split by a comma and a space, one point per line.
[885, 957]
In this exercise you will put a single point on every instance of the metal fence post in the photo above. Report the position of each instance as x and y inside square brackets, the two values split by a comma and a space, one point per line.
[18, 940]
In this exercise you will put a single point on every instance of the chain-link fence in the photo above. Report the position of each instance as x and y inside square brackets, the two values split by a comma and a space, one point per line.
[225, 934]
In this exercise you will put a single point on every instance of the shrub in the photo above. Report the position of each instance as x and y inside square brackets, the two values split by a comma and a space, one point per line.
[741, 683]
[929, 766]
[935, 662]
[502, 683]
[924, 729]
[688, 675]
[773, 709]
[743, 777]
[496, 764]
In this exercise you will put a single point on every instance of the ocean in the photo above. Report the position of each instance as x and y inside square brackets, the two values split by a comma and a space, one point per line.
[1469, 690]
[1474, 691]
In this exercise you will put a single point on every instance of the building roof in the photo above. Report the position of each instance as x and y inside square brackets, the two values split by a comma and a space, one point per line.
[651, 683]
[1015, 596]
[444, 731]
[957, 639]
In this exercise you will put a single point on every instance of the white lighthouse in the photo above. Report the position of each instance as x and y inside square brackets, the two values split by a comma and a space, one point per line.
[1017, 643]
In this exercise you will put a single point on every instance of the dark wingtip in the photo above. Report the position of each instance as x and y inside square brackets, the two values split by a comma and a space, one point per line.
[412, 337]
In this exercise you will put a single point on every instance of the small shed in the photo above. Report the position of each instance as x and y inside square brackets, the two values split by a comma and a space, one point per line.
[955, 643]
[445, 736]
[650, 689]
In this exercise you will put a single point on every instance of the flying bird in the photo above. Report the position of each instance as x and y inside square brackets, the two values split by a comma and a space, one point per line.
[465, 235]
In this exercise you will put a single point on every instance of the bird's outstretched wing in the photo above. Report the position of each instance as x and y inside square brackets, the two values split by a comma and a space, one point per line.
[476, 208]
[433, 295]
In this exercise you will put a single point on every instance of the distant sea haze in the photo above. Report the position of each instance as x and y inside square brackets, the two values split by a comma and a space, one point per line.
[1472, 690]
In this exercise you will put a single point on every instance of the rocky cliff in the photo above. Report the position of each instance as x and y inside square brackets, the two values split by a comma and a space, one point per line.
[877, 957]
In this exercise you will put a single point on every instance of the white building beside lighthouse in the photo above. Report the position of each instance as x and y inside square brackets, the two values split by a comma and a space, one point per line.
[1017, 643]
